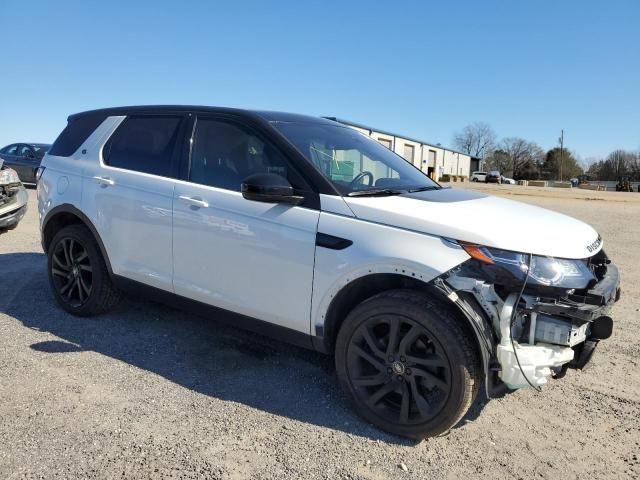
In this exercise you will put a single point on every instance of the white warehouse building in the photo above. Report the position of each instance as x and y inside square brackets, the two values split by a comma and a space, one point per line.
[435, 160]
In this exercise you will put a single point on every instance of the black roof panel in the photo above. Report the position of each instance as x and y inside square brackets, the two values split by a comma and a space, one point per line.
[136, 109]
[150, 109]
[291, 117]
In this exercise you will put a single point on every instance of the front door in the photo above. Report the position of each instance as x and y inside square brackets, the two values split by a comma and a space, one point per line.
[249, 257]
[26, 164]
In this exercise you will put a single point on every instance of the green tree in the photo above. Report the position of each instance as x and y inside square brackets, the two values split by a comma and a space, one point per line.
[595, 170]
[553, 169]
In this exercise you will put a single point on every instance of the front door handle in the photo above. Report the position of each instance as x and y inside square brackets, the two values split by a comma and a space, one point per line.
[194, 201]
[106, 181]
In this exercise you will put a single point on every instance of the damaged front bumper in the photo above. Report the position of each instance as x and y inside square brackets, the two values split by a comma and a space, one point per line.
[541, 336]
[588, 315]
[13, 205]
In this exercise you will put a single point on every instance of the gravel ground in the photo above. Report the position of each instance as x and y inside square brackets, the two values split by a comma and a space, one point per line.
[148, 392]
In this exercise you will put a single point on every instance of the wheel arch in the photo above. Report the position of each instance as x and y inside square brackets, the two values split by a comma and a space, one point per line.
[358, 290]
[352, 294]
[64, 215]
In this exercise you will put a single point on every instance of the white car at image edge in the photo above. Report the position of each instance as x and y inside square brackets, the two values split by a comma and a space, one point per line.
[306, 230]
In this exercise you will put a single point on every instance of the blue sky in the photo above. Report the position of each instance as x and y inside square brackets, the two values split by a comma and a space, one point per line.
[424, 69]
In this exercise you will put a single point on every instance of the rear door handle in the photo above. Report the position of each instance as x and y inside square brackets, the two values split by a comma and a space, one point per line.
[104, 180]
[194, 201]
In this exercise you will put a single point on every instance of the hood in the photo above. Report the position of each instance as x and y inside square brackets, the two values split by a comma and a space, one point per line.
[482, 219]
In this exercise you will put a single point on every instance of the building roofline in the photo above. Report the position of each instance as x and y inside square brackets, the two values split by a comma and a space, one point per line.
[391, 134]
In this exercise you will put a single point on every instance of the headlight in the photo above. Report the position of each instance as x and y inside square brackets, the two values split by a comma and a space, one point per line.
[545, 271]
[8, 175]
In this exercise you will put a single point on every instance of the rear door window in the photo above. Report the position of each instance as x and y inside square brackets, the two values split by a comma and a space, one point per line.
[147, 144]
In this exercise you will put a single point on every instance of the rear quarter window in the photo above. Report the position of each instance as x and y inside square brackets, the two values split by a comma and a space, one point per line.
[145, 144]
[75, 133]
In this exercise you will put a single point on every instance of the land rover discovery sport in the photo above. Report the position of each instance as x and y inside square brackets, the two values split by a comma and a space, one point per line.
[307, 230]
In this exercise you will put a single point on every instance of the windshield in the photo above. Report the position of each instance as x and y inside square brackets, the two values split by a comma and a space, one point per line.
[353, 162]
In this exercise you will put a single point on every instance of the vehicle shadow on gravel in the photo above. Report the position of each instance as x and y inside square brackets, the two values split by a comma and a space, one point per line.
[197, 353]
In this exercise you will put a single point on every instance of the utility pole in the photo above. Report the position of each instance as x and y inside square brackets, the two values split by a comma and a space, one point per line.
[561, 149]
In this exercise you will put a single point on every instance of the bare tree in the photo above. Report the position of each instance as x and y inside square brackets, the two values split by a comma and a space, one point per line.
[524, 156]
[477, 139]
[634, 166]
[618, 163]
[590, 163]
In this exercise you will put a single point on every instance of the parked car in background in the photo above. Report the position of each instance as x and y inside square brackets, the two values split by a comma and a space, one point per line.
[493, 177]
[13, 198]
[478, 176]
[24, 158]
[248, 217]
[508, 181]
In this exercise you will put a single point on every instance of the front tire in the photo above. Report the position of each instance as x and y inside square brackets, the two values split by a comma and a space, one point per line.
[407, 364]
[78, 274]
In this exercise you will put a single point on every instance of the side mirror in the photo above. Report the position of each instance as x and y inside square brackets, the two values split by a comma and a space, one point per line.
[269, 188]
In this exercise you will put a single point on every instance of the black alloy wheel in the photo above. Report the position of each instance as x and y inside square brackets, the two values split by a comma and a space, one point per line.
[78, 273]
[72, 272]
[398, 369]
[408, 363]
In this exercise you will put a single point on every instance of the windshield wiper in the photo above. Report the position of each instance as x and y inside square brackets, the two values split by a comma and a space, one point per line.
[381, 192]
[424, 189]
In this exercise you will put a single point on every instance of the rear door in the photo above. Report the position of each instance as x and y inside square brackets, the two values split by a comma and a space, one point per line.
[129, 192]
[249, 257]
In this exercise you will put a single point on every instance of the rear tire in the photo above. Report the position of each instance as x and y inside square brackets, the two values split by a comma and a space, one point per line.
[407, 364]
[78, 274]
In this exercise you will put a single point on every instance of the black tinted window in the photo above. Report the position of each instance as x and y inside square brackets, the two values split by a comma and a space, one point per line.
[75, 133]
[144, 144]
[10, 150]
[40, 150]
[224, 154]
[25, 151]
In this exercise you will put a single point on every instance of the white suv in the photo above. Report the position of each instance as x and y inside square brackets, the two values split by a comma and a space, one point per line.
[304, 229]
[478, 176]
